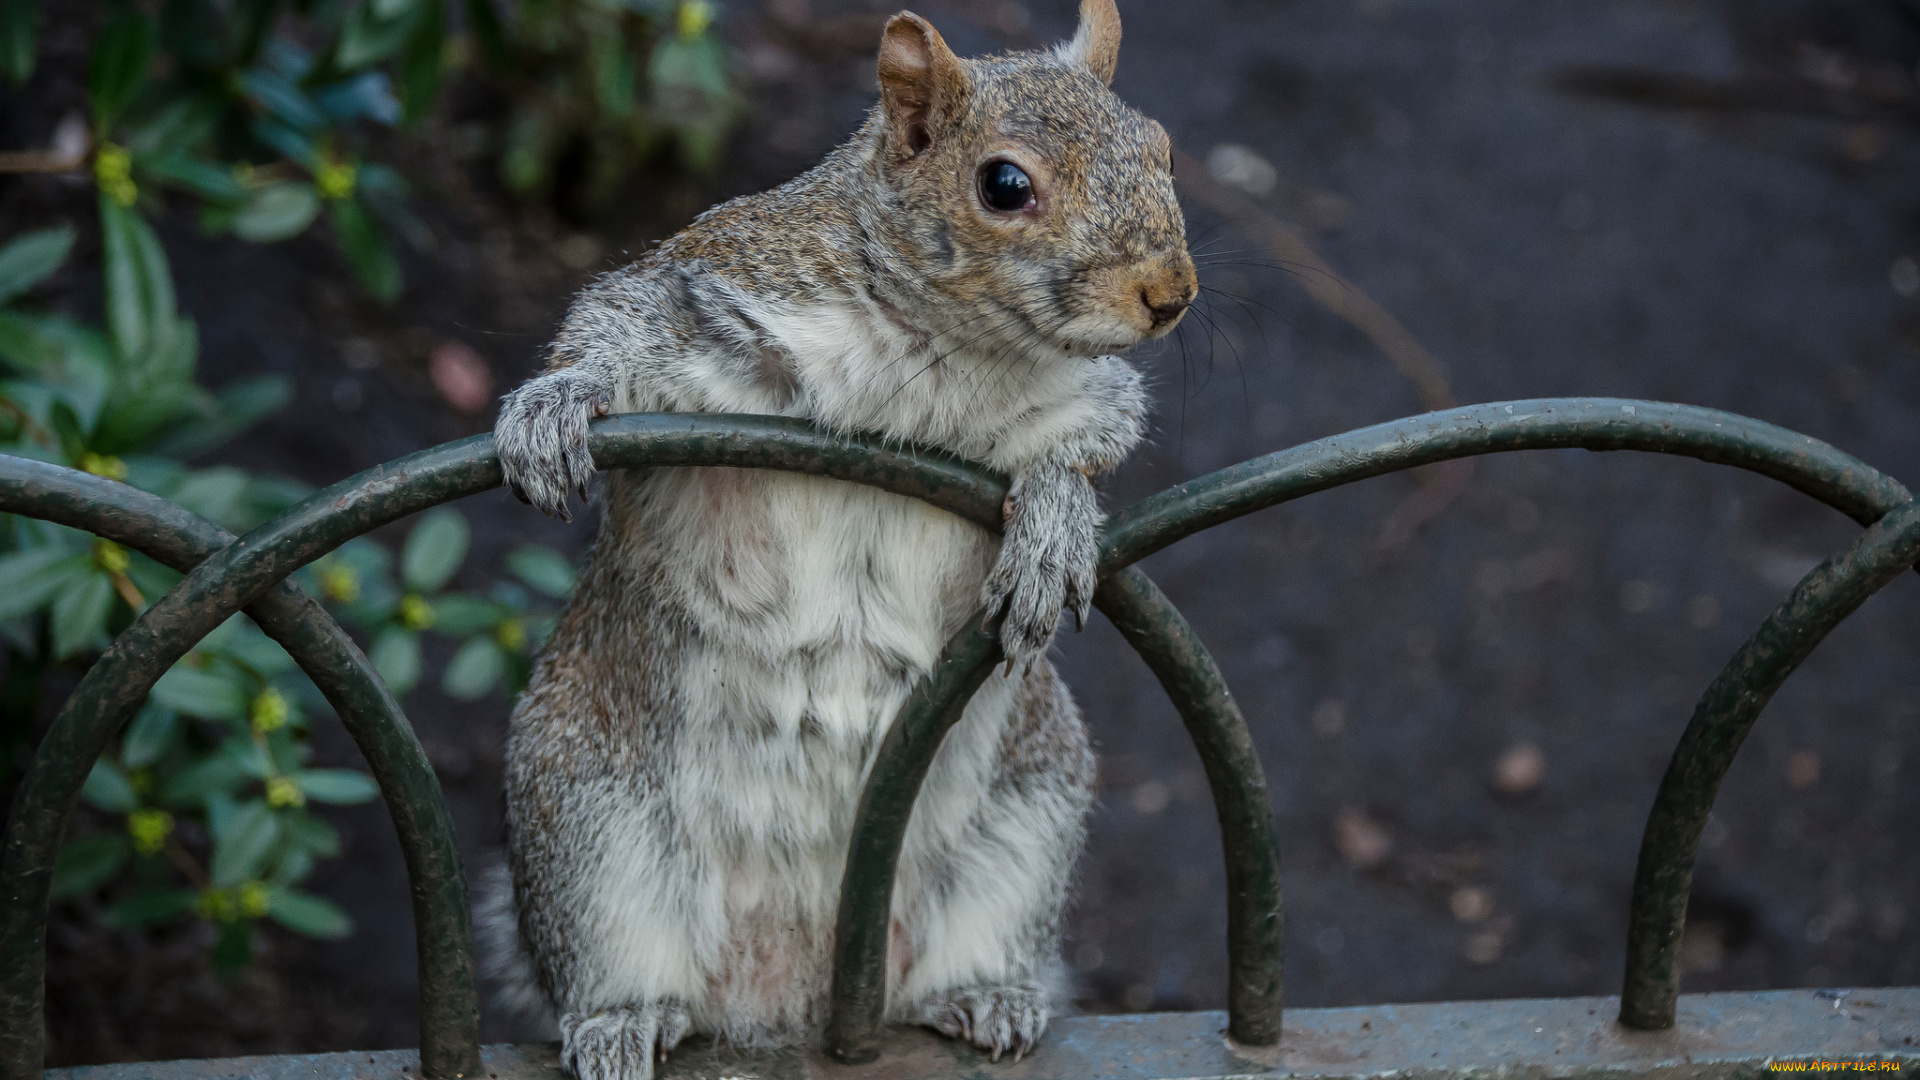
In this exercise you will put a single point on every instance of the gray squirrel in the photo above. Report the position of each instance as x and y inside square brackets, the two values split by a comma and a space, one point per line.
[682, 772]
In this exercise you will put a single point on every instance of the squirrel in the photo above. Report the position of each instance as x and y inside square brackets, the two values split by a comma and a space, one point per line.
[683, 769]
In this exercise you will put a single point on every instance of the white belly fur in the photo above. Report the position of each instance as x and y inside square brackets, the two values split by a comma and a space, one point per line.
[818, 603]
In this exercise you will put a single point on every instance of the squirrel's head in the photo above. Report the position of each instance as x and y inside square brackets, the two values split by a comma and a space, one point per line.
[1027, 191]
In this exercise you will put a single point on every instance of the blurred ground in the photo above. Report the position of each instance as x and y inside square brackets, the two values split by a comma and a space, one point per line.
[1462, 722]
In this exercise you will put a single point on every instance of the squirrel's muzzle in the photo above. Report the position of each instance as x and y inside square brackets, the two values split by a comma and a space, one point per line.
[1166, 290]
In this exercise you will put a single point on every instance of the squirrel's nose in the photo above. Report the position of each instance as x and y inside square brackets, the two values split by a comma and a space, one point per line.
[1164, 307]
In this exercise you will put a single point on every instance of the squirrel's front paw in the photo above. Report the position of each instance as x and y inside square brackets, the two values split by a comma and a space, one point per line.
[623, 1043]
[996, 1019]
[541, 438]
[1046, 558]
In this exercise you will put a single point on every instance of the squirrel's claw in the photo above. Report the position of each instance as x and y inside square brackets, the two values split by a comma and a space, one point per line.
[998, 1020]
[1046, 562]
[541, 438]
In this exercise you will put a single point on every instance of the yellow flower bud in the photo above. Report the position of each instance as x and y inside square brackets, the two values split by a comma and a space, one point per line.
[282, 792]
[693, 18]
[103, 465]
[269, 710]
[335, 180]
[113, 172]
[149, 830]
[415, 613]
[216, 905]
[339, 583]
[511, 634]
[253, 899]
[111, 557]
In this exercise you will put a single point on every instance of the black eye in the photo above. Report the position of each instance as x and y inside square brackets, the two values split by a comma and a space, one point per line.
[1005, 187]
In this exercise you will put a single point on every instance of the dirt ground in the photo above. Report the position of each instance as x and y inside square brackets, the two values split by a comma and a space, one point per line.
[1463, 716]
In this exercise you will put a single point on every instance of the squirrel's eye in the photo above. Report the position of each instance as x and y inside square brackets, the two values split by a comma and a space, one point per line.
[1005, 187]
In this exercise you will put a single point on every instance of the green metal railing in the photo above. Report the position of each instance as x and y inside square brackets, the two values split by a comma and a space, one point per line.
[250, 573]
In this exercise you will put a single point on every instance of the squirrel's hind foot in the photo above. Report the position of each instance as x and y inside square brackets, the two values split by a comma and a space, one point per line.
[623, 1043]
[997, 1019]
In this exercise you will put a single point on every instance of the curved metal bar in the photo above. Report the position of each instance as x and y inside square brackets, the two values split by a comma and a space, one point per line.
[242, 571]
[1155, 628]
[1726, 713]
[1256, 989]
[859, 994]
[114, 687]
[449, 1004]
[1803, 463]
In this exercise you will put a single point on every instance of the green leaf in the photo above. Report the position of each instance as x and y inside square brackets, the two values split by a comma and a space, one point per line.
[366, 94]
[241, 853]
[366, 250]
[203, 178]
[29, 258]
[140, 300]
[296, 145]
[277, 212]
[294, 867]
[283, 99]
[461, 614]
[305, 913]
[183, 122]
[285, 751]
[80, 614]
[148, 908]
[29, 579]
[310, 834]
[150, 735]
[198, 692]
[475, 670]
[396, 656]
[120, 56]
[212, 778]
[19, 22]
[367, 37]
[342, 787]
[88, 863]
[238, 406]
[222, 807]
[420, 64]
[107, 789]
[545, 569]
[434, 549]
[614, 74]
[213, 493]
[249, 755]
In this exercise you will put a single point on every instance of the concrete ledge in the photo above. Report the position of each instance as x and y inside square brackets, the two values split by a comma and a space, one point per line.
[1719, 1035]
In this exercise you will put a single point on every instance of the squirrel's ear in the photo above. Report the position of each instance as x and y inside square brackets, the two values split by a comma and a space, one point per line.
[1096, 45]
[921, 82]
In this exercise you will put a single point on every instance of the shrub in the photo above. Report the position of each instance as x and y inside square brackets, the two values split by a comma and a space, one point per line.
[206, 796]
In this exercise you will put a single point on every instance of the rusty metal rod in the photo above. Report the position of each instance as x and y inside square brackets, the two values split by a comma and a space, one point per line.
[449, 1004]
[1663, 880]
[1803, 463]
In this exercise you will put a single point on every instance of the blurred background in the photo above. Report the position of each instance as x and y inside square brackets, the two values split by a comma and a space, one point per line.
[256, 247]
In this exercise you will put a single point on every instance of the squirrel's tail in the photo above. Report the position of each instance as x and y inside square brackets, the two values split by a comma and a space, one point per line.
[503, 958]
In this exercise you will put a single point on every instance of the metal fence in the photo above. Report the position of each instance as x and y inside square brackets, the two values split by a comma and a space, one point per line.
[226, 575]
